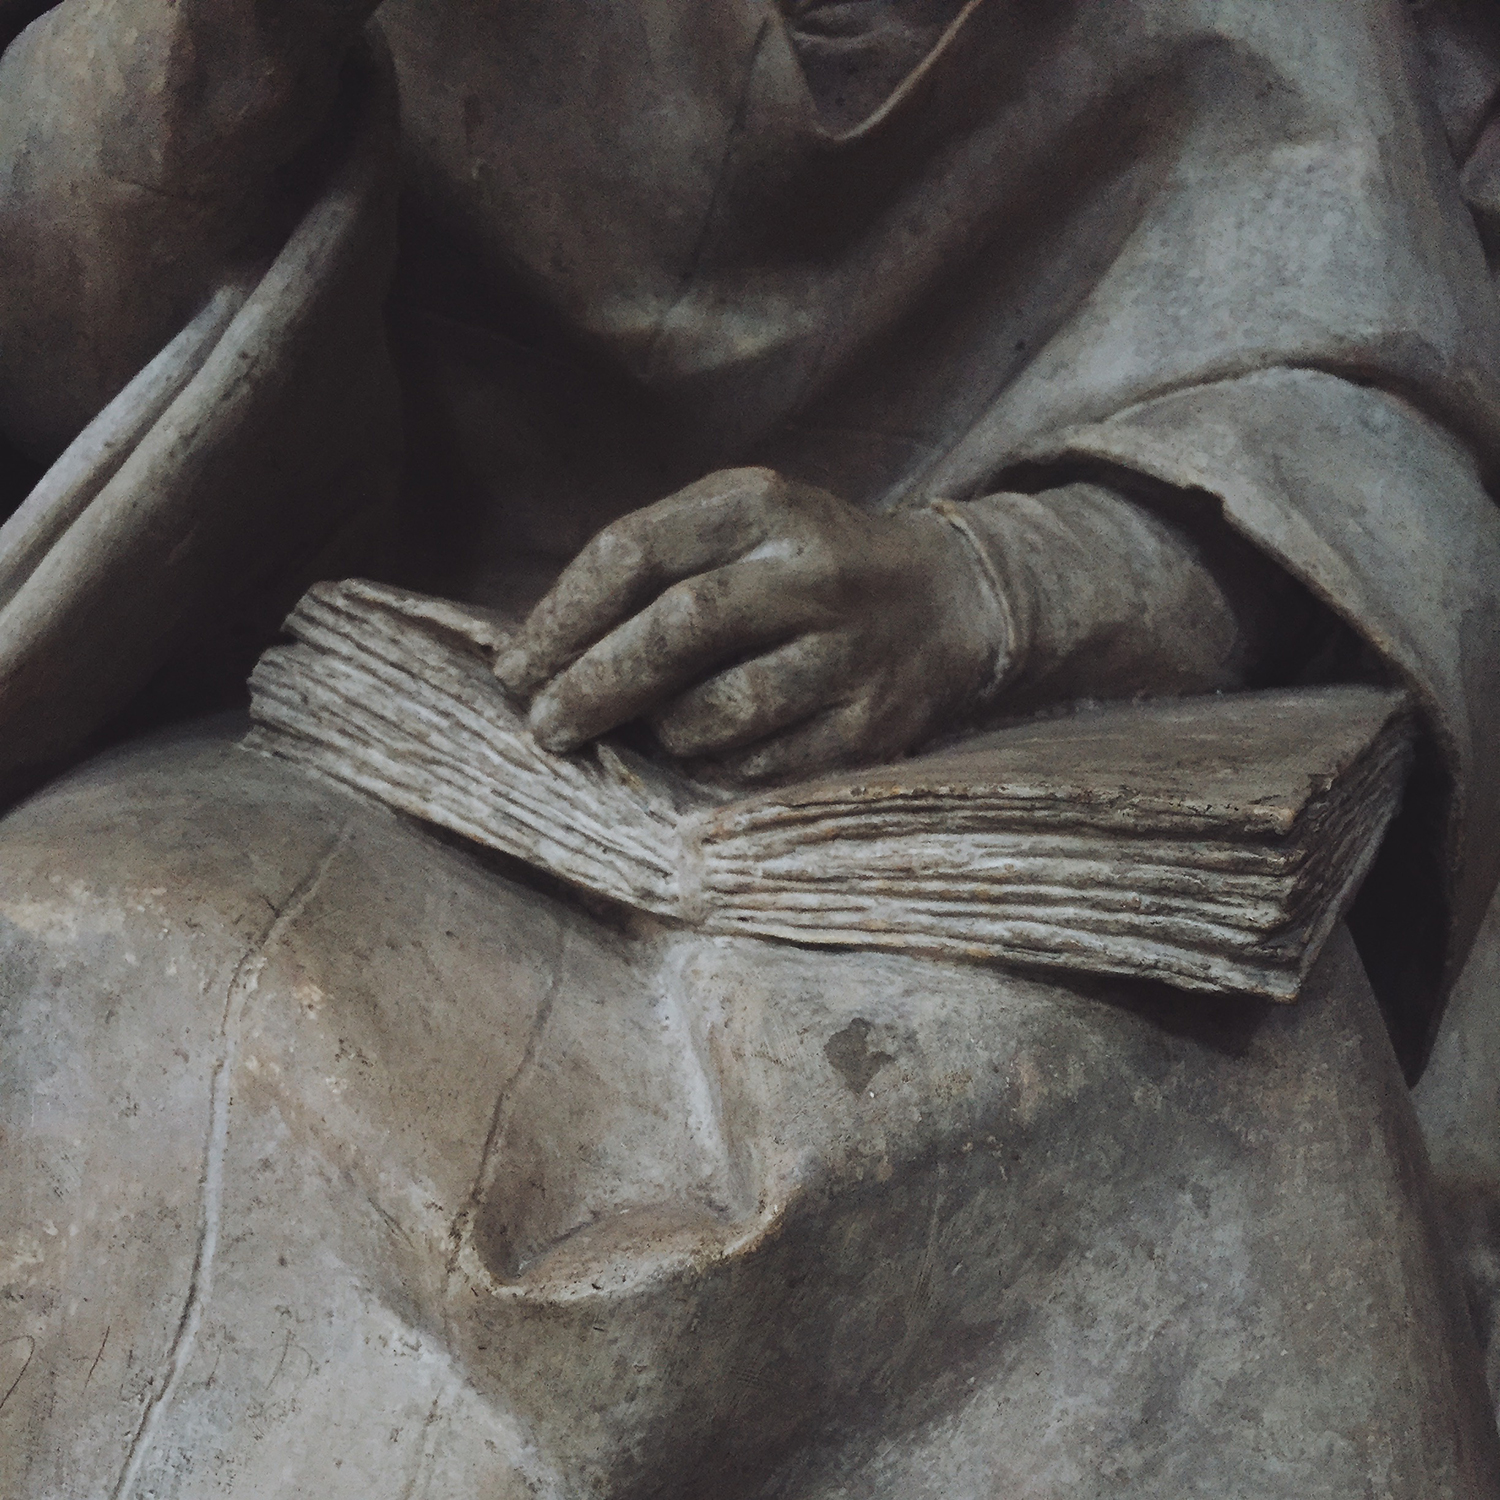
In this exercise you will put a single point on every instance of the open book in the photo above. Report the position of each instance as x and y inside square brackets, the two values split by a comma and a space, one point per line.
[1209, 842]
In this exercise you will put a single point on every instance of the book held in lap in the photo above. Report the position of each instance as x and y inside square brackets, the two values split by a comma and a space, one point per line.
[1212, 843]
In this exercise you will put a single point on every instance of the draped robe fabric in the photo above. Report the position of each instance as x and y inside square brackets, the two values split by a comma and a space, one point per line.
[1208, 247]
[1213, 244]
[1217, 245]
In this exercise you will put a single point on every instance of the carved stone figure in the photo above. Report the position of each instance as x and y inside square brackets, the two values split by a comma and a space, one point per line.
[813, 381]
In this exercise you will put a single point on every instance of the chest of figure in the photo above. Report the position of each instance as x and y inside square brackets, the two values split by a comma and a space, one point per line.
[570, 145]
[587, 150]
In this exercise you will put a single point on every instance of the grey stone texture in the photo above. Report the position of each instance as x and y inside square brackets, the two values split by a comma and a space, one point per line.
[341, 1160]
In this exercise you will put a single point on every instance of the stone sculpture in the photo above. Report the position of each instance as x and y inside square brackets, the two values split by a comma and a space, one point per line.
[989, 356]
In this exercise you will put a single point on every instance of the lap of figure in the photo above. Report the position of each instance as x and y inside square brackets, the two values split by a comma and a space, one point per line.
[339, 1160]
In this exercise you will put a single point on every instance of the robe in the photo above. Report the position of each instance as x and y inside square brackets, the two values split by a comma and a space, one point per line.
[1196, 247]
[1205, 246]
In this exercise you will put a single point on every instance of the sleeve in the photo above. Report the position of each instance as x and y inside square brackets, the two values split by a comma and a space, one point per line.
[1383, 515]
[1099, 594]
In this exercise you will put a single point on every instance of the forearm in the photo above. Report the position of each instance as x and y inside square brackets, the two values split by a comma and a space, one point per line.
[1098, 596]
[141, 150]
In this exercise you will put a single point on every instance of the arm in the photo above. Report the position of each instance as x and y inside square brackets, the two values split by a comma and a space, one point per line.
[146, 156]
[1111, 597]
[774, 628]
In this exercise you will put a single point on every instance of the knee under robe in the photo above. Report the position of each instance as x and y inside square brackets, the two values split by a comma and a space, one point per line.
[342, 1160]
[560, 1206]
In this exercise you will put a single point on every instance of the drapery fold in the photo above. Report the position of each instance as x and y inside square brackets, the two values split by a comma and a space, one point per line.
[1217, 245]
[257, 449]
[1382, 515]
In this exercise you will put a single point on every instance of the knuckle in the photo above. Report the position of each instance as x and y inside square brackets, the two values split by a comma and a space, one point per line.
[762, 488]
[755, 477]
[682, 608]
[740, 696]
[620, 548]
[858, 720]
[746, 687]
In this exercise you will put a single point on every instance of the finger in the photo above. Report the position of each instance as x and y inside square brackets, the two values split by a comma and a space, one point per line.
[695, 626]
[755, 699]
[631, 561]
[833, 738]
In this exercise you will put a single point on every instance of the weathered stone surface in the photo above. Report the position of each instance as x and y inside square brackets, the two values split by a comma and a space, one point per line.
[339, 1161]
[1458, 1105]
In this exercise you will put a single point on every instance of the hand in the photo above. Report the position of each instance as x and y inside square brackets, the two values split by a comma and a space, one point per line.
[765, 625]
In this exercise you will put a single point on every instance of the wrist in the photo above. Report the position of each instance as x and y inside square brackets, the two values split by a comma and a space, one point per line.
[993, 610]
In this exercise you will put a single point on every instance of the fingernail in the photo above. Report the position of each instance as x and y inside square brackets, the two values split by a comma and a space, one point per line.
[510, 668]
[552, 735]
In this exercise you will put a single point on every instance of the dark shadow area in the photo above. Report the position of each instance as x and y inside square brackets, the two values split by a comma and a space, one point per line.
[1224, 1024]
[18, 477]
[17, 15]
[1400, 921]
